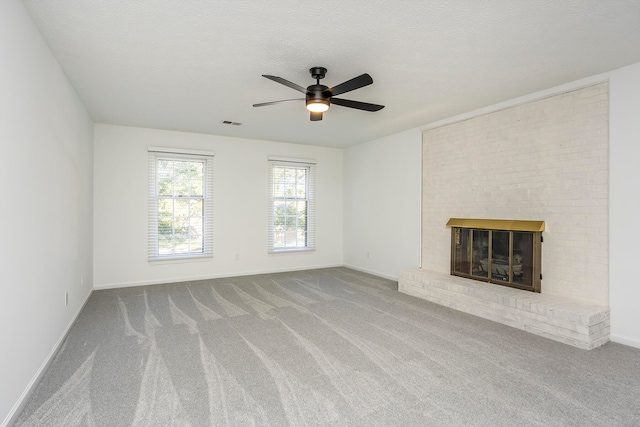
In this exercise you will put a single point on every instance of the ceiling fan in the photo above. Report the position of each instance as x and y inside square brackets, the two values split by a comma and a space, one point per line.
[318, 97]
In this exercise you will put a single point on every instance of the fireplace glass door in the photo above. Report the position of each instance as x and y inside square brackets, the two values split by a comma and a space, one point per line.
[504, 257]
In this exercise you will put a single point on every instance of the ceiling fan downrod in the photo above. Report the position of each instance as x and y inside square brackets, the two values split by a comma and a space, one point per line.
[318, 73]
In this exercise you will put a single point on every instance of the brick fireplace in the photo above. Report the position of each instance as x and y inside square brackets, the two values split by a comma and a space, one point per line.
[543, 159]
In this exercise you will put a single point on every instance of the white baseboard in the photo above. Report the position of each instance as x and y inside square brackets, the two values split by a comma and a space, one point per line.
[624, 340]
[207, 277]
[24, 397]
[375, 273]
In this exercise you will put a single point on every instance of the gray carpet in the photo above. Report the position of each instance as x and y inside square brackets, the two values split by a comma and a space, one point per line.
[322, 347]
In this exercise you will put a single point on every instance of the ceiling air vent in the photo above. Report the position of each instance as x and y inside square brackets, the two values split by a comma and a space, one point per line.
[228, 122]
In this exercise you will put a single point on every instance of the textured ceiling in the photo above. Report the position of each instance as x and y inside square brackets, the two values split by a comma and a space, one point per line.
[189, 65]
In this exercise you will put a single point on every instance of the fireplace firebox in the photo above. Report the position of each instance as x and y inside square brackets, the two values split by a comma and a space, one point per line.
[503, 252]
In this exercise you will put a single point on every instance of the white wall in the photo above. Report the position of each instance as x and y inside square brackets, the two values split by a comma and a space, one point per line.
[382, 204]
[624, 204]
[46, 216]
[240, 207]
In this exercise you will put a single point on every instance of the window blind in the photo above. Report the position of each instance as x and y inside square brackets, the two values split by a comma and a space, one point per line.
[291, 205]
[199, 238]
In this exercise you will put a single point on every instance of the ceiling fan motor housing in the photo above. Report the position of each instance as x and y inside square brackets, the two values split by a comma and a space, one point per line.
[318, 94]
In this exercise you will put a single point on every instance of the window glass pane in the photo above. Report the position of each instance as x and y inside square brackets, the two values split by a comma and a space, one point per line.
[180, 187]
[195, 226]
[278, 190]
[290, 224]
[197, 171]
[302, 173]
[181, 169]
[165, 168]
[165, 207]
[181, 207]
[302, 222]
[278, 174]
[289, 191]
[290, 232]
[195, 207]
[165, 245]
[196, 244]
[180, 224]
[165, 226]
[196, 188]
[165, 187]
[291, 208]
[290, 176]
[181, 244]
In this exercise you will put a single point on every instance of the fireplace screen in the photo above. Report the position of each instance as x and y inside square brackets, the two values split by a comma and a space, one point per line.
[498, 251]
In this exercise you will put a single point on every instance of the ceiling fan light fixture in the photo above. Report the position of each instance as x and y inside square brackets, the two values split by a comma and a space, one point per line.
[318, 98]
[317, 105]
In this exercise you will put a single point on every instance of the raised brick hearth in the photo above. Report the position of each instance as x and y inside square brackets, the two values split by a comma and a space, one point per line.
[578, 324]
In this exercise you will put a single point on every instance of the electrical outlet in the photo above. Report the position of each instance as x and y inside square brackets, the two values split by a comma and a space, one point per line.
[66, 298]
[368, 254]
[237, 257]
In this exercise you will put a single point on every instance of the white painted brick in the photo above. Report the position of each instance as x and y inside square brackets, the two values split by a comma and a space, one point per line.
[545, 160]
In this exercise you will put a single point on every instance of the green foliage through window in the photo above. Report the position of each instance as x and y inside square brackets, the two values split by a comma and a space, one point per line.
[180, 198]
[290, 206]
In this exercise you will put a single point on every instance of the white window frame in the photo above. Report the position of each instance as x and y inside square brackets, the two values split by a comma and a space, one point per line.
[155, 154]
[310, 167]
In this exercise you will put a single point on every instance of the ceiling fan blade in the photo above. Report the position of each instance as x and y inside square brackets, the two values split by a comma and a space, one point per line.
[315, 117]
[286, 83]
[262, 104]
[356, 104]
[353, 84]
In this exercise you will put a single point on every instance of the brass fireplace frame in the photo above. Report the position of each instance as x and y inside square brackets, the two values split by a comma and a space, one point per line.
[490, 226]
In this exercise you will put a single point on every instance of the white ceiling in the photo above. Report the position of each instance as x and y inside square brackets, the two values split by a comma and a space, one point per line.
[188, 65]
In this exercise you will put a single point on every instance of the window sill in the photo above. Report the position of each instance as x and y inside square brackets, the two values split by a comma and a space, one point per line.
[179, 259]
[290, 250]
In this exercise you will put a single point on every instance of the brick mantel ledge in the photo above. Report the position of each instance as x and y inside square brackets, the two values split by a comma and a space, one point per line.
[571, 322]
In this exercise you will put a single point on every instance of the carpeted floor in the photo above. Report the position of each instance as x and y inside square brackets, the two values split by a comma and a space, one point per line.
[332, 347]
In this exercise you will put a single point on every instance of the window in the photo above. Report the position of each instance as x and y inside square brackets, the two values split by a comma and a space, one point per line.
[291, 205]
[180, 204]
